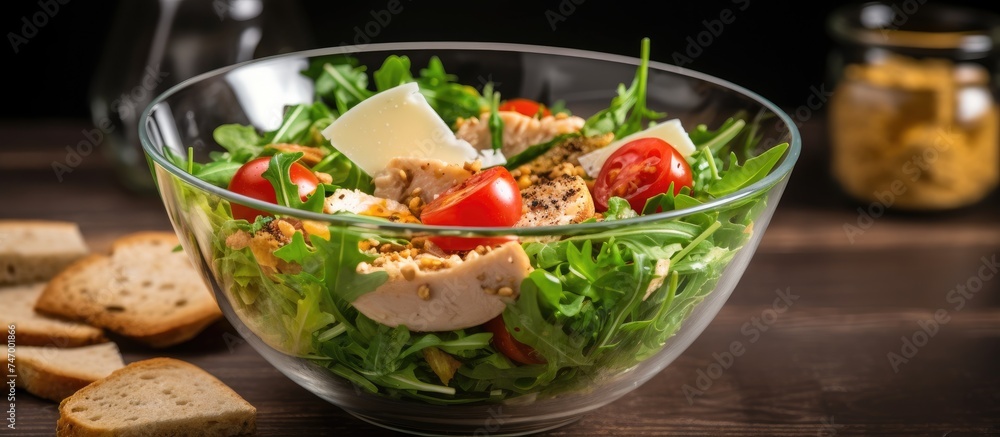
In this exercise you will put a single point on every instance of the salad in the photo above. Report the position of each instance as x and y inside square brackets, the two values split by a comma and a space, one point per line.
[446, 318]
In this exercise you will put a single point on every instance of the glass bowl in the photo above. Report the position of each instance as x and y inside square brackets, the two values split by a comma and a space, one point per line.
[374, 372]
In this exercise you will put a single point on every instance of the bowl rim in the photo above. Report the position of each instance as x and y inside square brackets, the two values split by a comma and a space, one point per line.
[776, 175]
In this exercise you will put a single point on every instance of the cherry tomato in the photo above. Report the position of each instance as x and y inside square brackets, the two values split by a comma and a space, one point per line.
[639, 170]
[489, 198]
[249, 182]
[509, 346]
[527, 107]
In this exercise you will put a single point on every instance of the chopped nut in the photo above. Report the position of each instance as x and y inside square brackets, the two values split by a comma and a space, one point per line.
[432, 263]
[286, 228]
[424, 292]
[409, 272]
[402, 175]
[239, 240]
[505, 291]
[523, 182]
[318, 229]
[490, 290]
[324, 178]
[473, 166]
[415, 205]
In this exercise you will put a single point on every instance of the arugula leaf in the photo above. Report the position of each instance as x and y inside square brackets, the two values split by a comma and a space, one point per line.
[619, 209]
[286, 191]
[395, 71]
[716, 140]
[294, 126]
[341, 256]
[345, 85]
[495, 123]
[383, 352]
[754, 169]
[345, 174]
[217, 173]
[627, 113]
[242, 142]
[449, 98]
[308, 318]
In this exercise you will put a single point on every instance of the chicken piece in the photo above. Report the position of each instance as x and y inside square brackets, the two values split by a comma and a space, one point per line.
[402, 176]
[361, 203]
[560, 201]
[519, 131]
[428, 293]
[568, 152]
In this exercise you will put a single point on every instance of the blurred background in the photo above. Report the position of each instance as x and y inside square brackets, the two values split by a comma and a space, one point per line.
[70, 60]
[777, 48]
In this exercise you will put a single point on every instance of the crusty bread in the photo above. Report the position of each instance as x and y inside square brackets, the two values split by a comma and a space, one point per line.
[56, 373]
[35, 250]
[156, 397]
[34, 329]
[143, 290]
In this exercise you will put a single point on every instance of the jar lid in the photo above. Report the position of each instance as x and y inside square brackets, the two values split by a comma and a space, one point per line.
[917, 26]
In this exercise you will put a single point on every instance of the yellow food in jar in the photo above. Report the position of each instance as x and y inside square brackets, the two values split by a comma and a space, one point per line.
[915, 133]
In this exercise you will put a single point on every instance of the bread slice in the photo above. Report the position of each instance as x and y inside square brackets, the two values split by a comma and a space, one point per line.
[35, 250]
[156, 397]
[143, 290]
[56, 373]
[34, 329]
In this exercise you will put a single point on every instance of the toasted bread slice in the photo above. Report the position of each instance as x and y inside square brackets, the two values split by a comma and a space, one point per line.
[34, 329]
[143, 290]
[156, 397]
[56, 373]
[35, 250]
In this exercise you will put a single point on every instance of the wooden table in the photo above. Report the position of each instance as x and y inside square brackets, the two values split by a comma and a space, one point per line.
[820, 368]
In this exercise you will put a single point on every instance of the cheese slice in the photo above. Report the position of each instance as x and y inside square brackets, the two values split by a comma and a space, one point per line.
[398, 123]
[670, 131]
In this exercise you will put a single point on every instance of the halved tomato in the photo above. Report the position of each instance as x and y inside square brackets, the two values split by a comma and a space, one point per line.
[639, 170]
[527, 107]
[249, 182]
[489, 198]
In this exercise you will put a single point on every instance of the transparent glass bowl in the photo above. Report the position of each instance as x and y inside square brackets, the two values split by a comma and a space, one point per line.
[256, 93]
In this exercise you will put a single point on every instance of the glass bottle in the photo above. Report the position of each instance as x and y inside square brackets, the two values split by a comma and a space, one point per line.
[913, 120]
[155, 44]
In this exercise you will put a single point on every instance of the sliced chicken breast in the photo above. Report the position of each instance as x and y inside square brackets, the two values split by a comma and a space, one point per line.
[361, 203]
[428, 293]
[560, 201]
[402, 176]
[519, 131]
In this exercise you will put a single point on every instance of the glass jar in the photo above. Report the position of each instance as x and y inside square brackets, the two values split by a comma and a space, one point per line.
[913, 120]
[156, 44]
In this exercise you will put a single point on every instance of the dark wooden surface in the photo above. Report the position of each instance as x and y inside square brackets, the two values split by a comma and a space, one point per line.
[821, 368]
